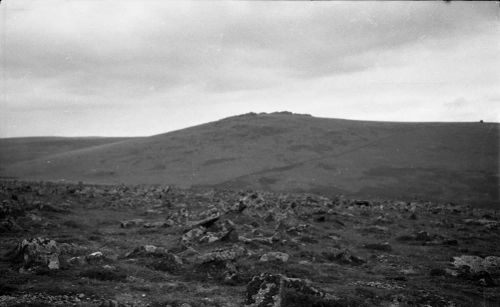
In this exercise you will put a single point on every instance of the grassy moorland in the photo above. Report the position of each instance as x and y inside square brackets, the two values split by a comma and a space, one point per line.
[105, 245]
[286, 152]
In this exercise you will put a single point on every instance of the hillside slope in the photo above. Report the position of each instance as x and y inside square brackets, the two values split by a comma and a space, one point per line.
[13, 150]
[284, 152]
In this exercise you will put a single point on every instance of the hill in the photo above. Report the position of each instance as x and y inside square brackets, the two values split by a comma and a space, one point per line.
[296, 153]
[13, 150]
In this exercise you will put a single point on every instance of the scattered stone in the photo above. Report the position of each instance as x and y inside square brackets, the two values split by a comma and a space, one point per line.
[238, 206]
[408, 271]
[378, 284]
[168, 262]
[343, 257]
[159, 224]
[192, 235]
[274, 256]
[222, 254]
[80, 260]
[95, 258]
[269, 290]
[131, 223]
[361, 203]
[298, 230]
[486, 223]
[206, 222]
[220, 231]
[260, 240]
[476, 264]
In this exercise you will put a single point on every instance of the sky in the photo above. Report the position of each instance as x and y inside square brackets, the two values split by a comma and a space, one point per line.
[137, 68]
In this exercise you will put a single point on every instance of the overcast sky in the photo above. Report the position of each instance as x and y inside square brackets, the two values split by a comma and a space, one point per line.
[127, 68]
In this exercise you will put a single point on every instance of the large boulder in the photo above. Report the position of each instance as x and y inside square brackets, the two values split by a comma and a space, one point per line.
[37, 253]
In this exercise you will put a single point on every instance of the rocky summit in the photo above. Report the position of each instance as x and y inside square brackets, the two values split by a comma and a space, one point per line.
[123, 245]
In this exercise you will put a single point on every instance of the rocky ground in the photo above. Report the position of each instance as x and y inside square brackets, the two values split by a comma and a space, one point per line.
[88, 245]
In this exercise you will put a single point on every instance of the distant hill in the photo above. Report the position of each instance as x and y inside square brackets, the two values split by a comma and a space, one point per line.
[456, 162]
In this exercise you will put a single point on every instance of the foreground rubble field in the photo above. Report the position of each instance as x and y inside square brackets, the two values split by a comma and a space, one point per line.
[87, 245]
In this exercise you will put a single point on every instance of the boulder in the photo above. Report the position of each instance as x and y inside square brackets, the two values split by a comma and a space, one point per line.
[157, 258]
[273, 290]
[79, 260]
[95, 258]
[343, 257]
[275, 256]
[168, 263]
[222, 254]
[206, 222]
[220, 264]
[476, 264]
[477, 269]
[298, 230]
[362, 203]
[37, 253]
[159, 224]
[220, 231]
[147, 251]
[131, 223]
[238, 207]
[259, 240]
[192, 235]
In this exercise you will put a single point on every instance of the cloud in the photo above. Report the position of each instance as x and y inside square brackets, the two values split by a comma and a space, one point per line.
[457, 103]
[241, 56]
